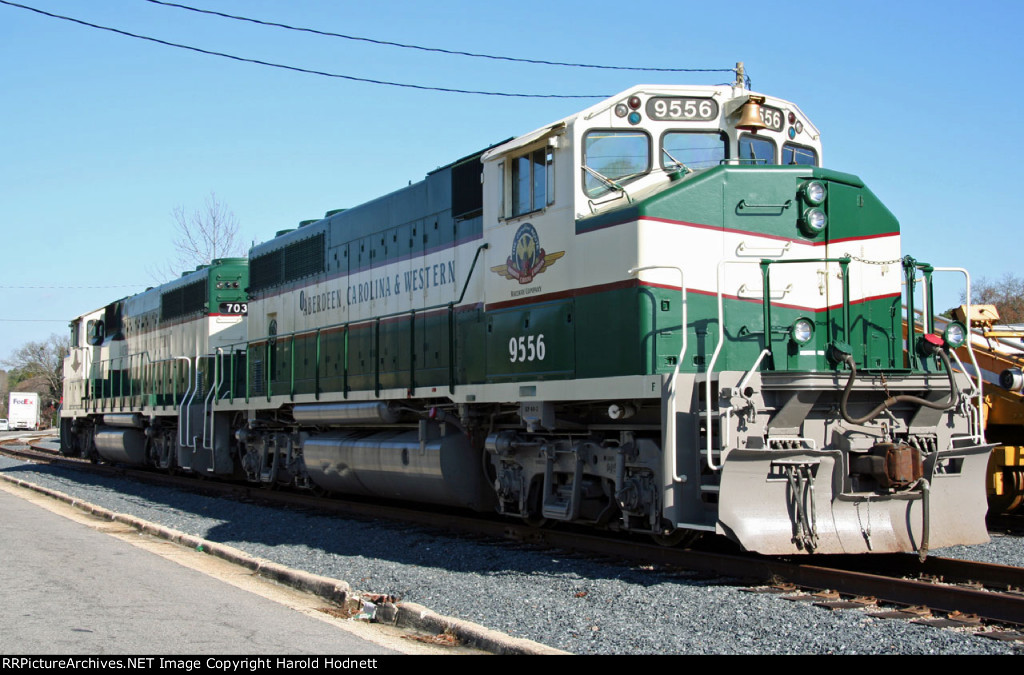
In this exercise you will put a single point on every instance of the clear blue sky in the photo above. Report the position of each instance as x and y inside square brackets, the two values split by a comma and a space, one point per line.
[104, 135]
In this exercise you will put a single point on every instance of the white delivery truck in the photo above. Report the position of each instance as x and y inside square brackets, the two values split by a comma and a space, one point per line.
[23, 411]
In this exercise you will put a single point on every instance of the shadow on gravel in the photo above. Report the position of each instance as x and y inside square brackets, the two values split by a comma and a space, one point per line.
[266, 531]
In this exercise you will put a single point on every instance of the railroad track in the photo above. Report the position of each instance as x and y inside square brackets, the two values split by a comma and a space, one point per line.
[943, 591]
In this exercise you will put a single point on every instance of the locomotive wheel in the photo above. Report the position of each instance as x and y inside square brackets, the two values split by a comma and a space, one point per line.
[535, 520]
[533, 516]
[678, 537]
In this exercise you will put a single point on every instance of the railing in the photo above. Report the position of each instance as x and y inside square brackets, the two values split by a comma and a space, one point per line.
[911, 268]
[99, 395]
[978, 435]
[670, 425]
[766, 352]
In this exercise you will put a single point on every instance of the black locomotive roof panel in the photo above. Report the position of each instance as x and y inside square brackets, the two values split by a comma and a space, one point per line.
[428, 204]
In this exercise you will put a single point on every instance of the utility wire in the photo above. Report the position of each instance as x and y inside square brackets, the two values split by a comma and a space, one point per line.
[388, 43]
[295, 68]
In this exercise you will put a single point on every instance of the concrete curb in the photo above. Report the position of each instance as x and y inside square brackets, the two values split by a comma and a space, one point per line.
[402, 614]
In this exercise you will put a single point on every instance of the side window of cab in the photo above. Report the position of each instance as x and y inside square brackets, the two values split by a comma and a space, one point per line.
[94, 332]
[530, 178]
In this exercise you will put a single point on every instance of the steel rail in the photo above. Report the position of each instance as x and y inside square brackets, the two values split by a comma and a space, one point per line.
[881, 576]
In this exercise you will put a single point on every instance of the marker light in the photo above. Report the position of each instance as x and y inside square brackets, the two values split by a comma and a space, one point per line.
[929, 345]
[634, 118]
[621, 110]
[634, 102]
[802, 331]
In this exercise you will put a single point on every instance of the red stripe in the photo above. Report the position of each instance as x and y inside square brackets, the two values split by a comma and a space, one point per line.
[758, 301]
[633, 283]
[561, 295]
[764, 235]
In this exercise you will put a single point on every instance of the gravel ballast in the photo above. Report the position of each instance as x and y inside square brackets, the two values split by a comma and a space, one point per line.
[577, 605]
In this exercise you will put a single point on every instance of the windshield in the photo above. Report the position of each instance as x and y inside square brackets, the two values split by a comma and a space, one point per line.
[615, 155]
[755, 150]
[797, 154]
[692, 150]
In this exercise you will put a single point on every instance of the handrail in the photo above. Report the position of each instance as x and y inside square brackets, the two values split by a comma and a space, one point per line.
[714, 355]
[670, 426]
[761, 251]
[970, 348]
[214, 394]
[727, 411]
[291, 380]
[316, 380]
[181, 408]
[231, 386]
[106, 364]
[764, 264]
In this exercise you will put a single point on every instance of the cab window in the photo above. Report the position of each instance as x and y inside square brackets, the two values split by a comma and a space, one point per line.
[798, 154]
[613, 156]
[531, 174]
[754, 150]
[693, 150]
[94, 332]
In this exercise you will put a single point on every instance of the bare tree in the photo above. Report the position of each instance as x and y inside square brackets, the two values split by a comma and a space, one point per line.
[1007, 295]
[202, 235]
[39, 366]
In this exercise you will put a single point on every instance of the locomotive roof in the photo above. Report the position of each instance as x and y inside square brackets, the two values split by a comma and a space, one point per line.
[725, 92]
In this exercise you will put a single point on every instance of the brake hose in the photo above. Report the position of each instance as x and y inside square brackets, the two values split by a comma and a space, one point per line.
[893, 400]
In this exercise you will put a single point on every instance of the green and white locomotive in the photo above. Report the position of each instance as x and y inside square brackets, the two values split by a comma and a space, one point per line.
[659, 315]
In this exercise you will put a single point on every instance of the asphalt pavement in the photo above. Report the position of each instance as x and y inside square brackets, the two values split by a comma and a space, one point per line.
[75, 584]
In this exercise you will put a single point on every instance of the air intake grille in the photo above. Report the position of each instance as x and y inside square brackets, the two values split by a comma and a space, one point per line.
[296, 260]
[184, 300]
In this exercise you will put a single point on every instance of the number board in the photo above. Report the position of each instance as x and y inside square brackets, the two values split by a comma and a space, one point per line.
[673, 108]
[234, 308]
[773, 117]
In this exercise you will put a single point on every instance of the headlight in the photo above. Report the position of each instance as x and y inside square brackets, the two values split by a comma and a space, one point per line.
[802, 331]
[814, 221]
[955, 334]
[814, 192]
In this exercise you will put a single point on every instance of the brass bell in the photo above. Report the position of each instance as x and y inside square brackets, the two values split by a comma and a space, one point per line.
[750, 115]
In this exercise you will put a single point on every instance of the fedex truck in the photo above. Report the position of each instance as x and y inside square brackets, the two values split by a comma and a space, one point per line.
[23, 411]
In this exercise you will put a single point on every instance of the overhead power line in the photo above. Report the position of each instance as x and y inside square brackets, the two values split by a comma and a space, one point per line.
[297, 69]
[438, 50]
[77, 287]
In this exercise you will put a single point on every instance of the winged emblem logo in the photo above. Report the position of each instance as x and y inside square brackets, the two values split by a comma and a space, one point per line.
[528, 259]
